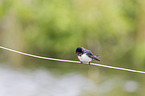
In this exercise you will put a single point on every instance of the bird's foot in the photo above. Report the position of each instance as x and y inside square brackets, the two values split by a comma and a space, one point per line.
[89, 64]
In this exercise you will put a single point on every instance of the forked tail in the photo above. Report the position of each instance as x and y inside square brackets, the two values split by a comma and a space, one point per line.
[95, 58]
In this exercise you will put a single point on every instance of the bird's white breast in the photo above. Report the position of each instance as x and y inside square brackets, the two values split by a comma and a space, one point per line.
[84, 58]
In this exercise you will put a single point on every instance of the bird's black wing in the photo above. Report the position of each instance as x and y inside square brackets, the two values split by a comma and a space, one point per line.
[90, 54]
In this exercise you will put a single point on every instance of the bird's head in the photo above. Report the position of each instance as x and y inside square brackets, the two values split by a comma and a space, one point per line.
[80, 50]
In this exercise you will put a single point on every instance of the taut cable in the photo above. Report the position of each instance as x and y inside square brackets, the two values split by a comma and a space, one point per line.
[41, 57]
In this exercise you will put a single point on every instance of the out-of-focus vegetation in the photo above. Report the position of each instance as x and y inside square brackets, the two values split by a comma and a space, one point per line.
[114, 29]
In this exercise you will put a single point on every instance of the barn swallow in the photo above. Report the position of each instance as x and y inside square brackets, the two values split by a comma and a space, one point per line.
[85, 56]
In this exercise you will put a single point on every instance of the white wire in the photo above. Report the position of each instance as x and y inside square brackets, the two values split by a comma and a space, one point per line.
[101, 65]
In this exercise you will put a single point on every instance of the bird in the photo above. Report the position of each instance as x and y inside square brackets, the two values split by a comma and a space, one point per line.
[85, 56]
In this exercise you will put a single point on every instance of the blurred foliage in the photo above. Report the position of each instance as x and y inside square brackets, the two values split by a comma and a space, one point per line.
[58, 27]
[113, 29]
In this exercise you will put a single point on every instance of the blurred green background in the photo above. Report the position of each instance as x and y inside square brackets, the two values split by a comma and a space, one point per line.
[113, 29]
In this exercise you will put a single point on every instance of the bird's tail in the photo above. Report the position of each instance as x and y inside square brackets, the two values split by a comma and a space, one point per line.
[95, 58]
